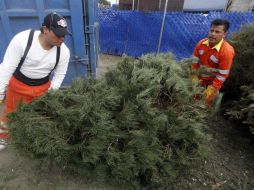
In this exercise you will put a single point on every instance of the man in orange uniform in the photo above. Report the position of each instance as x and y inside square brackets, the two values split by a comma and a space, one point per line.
[216, 55]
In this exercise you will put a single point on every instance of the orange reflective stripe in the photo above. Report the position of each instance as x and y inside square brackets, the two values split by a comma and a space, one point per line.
[220, 71]
[195, 59]
[221, 78]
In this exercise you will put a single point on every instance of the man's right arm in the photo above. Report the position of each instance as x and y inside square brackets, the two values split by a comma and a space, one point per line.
[10, 62]
[195, 64]
[195, 57]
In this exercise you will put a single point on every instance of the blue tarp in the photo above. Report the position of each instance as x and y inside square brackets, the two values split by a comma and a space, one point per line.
[135, 33]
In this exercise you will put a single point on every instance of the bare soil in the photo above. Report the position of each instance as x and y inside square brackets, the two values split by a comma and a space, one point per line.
[229, 164]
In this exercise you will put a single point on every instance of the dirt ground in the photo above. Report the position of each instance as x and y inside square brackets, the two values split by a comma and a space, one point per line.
[230, 164]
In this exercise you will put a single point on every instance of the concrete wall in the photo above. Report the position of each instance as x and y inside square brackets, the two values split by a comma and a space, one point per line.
[240, 5]
[204, 5]
[125, 4]
[151, 5]
[187, 5]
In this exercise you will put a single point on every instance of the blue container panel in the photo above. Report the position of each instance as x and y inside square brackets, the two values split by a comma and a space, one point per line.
[18, 24]
[2, 40]
[57, 4]
[23, 4]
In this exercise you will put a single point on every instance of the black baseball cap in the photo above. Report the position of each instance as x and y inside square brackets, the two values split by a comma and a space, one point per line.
[57, 24]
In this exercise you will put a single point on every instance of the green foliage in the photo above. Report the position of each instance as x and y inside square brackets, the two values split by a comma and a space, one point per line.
[241, 73]
[239, 87]
[138, 125]
[243, 110]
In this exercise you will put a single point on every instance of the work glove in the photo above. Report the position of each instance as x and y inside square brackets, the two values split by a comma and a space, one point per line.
[210, 93]
[194, 79]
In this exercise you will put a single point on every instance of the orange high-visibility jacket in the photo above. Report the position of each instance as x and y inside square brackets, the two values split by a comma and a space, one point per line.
[217, 59]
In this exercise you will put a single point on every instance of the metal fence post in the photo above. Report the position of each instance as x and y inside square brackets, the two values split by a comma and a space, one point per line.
[91, 22]
[162, 26]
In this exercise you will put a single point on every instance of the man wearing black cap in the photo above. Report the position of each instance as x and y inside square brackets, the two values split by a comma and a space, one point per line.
[29, 60]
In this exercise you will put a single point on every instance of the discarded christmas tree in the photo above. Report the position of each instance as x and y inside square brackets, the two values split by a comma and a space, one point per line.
[239, 97]
[138, 125]
[243, 109]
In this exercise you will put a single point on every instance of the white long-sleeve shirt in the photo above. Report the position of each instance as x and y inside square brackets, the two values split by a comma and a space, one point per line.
[38, 63]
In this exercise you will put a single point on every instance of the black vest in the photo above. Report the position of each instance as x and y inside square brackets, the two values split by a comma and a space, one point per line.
[33, 82]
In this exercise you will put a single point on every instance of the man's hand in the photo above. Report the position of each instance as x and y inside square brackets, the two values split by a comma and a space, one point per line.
[194, 79]
[210, 93]
[1, 101]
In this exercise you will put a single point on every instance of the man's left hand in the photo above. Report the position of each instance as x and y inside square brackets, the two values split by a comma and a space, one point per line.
[210, 93]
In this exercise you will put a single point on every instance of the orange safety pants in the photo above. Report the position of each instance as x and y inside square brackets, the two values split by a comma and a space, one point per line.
[18, 91]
